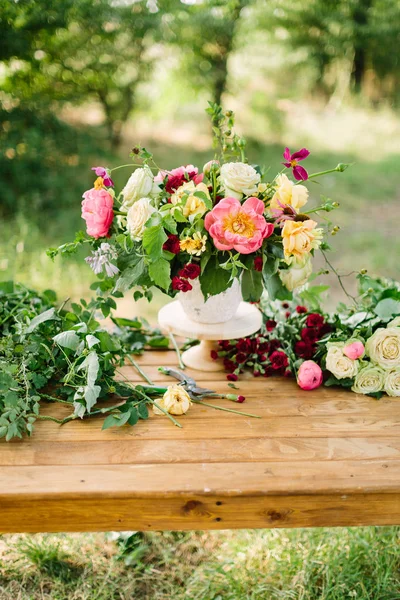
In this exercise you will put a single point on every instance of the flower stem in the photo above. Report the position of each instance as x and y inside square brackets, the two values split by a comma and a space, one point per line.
[166, 413]
[175, 345]
[139, 370]
[237, 412]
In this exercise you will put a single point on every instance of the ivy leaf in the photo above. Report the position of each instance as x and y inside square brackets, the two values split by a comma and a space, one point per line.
[387, 308]
[160, 273]
[170, 224]
[48, 315]
[91, 341]
[67, 339]
[153, 241]
[252, 286]
[91, 364]
[91, 393]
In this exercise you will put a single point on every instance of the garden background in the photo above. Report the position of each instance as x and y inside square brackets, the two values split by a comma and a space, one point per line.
[81, 83]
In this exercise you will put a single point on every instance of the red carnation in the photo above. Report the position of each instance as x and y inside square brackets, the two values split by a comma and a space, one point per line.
[172, 244]
[241, 357]
[274, 344]
[214, 354]
[315, 320]
[309, 335]
[304, 350]
[287, 373]
[181, 284]
[278, 360]
[225, 345]
[244, 345]
[258, 263]
[190, 271]
[256, 374]
[301, 310]
[264, 347]
[232, 377]
[241, 399]
[324, 330]
[174, 182]
[270, 324]
[229, 364]
[269, 371]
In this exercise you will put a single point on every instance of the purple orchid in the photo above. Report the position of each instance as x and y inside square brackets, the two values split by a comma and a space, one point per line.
[292, 161]
[285, 213]
[102, 172]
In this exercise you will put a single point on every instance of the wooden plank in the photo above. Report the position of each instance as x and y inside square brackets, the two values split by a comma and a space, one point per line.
[197, 512]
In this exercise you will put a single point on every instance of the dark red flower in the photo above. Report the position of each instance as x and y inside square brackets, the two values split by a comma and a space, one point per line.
[258, 263]
[315, 320]
[241, 399]
[278, 360]
[269, 371]
[304, 350]
[232, 377]
[172, 244]
[229, 364]
[256, 374]
[301, 309]
[264, 347]
[274, 344]
[214, 354]
[181, 284]
[324, 330]
[174, 182]
[309, 335]
[287, 373]
[244, 345]
[190, 271]
[287, 314]
[270, 324]
[241, 357]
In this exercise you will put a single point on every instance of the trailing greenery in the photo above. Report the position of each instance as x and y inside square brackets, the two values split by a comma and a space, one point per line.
[62, 354]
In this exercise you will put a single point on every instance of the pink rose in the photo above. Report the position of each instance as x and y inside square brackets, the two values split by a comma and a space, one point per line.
[354, 350]
[238, 226]
[97, 210]
[309, 375]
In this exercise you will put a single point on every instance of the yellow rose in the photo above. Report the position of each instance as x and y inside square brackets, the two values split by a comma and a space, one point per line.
[193, 205]
[338, 364]
[383, 347]
[392, 382]
[300, 237]
[176, 401]
[194, 245]
[369, 380]
[289, 193]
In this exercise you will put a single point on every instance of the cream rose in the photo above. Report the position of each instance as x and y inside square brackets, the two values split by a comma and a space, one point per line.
[383, 347]
[338, 364]
[299, 238]
[369, 380]
[138, 214]
[394, 323]
[298, 274]
[239, 179]
[176, 401]
[139, 185]
[289, 193]
[192, 205]
[392, 382]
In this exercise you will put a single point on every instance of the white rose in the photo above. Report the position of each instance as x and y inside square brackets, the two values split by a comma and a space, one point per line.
[176, 401]
[394, 323]
[338, 364]
[139, 185]
[383, 347]
[369, 380]
[137, 216]
[238, 179]
[289, 193]
[298, 274]
[392, 382]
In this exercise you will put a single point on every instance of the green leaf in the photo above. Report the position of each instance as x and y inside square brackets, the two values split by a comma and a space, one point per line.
[122, 322]
[275, 288]
[92, 340]
[91, 364]
[170, 224]
[160, 273]
[214, 280]
[48, 315]
[153, 241]
[143, 411]
[116, 420]
[270, 267]
[130, 277]
[67, 339]
[107, 342]
[387, 308]
[91, 393]
[252, 286]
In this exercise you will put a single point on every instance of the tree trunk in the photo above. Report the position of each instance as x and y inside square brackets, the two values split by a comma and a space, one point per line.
[360, 19]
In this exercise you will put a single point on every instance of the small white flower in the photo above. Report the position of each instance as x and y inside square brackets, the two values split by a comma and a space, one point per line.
[139, 185]
[239, 179]
[138, 214]
[338, 363]
[101, 259]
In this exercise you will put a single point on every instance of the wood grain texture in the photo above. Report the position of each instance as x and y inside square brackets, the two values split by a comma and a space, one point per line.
[318, 458]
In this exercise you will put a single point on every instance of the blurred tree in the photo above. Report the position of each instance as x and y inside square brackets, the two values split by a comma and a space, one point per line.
[365, 33]
[91, 50]
[205, 32]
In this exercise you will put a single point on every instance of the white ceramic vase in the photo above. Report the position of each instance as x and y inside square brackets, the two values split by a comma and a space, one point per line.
[217, 309]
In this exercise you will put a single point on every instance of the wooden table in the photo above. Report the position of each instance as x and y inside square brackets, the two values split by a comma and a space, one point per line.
[326, 457]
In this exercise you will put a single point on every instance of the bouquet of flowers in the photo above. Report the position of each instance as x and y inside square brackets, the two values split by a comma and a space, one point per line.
[357, 347]
[183, 228]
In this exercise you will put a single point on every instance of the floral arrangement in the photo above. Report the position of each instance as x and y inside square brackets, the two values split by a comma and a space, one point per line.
[179, 228]
[357, 347]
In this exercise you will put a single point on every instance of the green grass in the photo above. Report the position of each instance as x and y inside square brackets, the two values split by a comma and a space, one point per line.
[308, 564]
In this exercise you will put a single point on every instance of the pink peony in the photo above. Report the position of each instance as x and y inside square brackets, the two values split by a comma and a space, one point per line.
[354, 350]
[309, 375]
[238, 226]
[97, 210]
